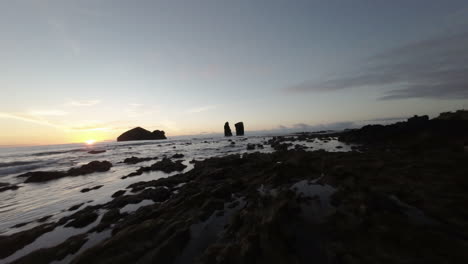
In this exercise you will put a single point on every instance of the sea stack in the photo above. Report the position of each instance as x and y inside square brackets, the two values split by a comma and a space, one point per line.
[239, 129]
[227, 130]
[139, 133]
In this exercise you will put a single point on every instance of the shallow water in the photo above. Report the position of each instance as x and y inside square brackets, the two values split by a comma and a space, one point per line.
[33, 201]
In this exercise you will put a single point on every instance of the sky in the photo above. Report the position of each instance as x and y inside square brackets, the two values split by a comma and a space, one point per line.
[76, 70]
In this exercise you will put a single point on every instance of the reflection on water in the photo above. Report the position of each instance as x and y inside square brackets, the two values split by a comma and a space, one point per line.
[53, 199]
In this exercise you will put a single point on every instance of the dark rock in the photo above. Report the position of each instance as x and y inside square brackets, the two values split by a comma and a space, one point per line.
[227, 130]
[166, 165]
[250, 146]
[178, 156]
[96, 151]
[59, 252]
[21, 224]
[6, 186]
[135, 160]
[75, 207]
[43, 219]
[12, 243]
[418, 119]
[458, 115]
[82, 218]
[159, 134]
[90, 189]
[239, 129]
[139, 133]
[118, 193]
[42, 176]
[93, 166]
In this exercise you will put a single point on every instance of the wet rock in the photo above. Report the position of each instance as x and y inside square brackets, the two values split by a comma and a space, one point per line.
[59, 252]
[159, 194]
[139, 133]
[227, 130]
[118, 193]
[135, 160]
[75, 207]
[166, 165]
[43, 219]
[177, 156]
[81, 218]
[6, 186]
[21, 224]
[250, 146]
[93, 166]
[209, 207]
[42, 176]
[12, 243]
[239, 128]
[96, 151]
[92, 188]
[110, 217]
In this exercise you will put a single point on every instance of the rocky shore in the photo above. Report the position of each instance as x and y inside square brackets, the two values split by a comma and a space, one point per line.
[399, 197]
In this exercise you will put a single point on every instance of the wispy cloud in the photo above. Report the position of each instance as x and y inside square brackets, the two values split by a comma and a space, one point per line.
[433, 68]
[43, 118]
[40, 113]
[27, 118]
[201, 109]
[84, 103]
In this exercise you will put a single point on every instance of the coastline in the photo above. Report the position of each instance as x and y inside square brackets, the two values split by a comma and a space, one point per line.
[389, 200]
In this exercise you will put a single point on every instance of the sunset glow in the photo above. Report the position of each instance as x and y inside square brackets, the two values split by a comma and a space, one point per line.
[90, 141]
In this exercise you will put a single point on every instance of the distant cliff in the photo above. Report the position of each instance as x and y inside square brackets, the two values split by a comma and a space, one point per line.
[139, 133]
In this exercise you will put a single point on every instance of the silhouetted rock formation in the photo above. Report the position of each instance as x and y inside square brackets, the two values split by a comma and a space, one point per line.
[458, 115]
[445, 130]
[239, 129]
[139, 133]
[227, 130]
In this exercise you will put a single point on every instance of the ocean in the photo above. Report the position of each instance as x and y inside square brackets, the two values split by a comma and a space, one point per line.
[22, 208]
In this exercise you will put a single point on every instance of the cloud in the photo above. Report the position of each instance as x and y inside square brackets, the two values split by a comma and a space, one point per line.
[40, 113]
[27, 118]
[84, 103]
[433, 68]
[88, 128]
[40, 118]
[201, 109]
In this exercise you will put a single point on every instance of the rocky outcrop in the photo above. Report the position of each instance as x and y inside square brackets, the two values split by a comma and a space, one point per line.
[227, 130]
[165, 165]
[135, 160]
[42, 176]
[4, 186]
[139, 133]
[458, 115]
[239, 129]
[56, 253]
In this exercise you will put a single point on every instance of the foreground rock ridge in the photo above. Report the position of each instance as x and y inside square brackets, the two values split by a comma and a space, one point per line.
[399, 197]
[139, 133]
